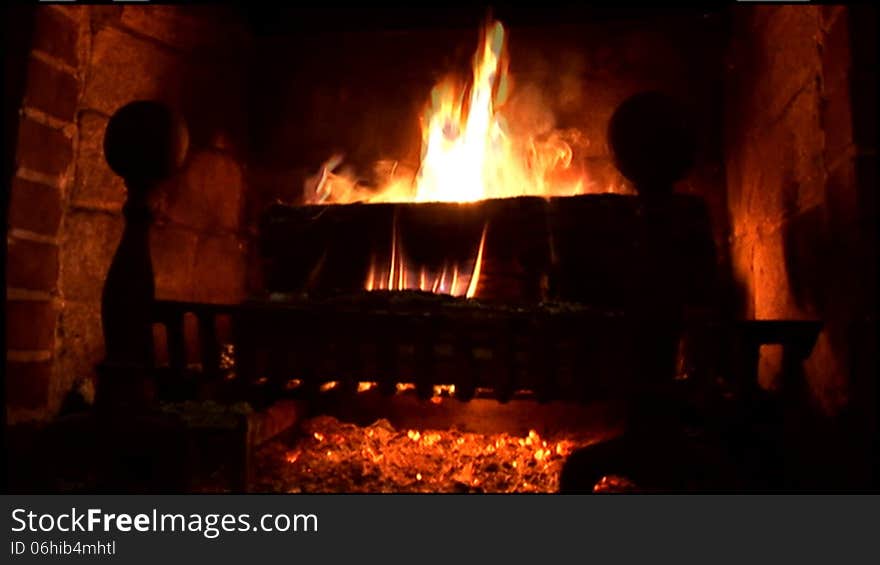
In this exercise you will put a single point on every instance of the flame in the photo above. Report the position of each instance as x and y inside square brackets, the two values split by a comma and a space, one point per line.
[328, 386]
[364, 386]
[400, 274]
[469, 150]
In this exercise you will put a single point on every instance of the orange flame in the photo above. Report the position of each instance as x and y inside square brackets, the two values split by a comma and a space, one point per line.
[469, 152]
[401, 275]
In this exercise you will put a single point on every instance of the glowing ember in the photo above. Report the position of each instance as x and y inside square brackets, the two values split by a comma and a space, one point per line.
[469, 151]
[379, 458]
[614, 483]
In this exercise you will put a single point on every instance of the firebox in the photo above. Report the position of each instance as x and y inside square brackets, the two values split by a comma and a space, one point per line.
[452, 250]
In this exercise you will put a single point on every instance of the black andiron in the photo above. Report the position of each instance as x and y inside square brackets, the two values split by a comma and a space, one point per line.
[156, 439]
[145, 143]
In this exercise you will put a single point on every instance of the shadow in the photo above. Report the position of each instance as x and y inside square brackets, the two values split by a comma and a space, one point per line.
[673, 270]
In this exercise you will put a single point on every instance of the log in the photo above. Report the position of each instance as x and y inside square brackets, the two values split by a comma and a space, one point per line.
[603, 249]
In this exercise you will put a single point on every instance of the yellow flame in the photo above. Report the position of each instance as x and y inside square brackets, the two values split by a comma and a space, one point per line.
[475, 276]
[402, 275]
[468, 151]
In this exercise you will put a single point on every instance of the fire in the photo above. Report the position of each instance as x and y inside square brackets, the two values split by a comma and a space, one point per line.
[469, 151]
[381, 458]
[399, 273]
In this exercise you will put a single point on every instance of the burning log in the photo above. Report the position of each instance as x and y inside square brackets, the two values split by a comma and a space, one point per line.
[604, 250]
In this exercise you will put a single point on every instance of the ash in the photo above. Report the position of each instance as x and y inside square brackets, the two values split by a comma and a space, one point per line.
[334, 456]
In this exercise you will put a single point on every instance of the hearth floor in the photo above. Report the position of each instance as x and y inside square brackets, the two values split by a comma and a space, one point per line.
[334, 456]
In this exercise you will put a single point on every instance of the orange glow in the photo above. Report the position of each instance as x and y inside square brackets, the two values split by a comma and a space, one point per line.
[385, 459]
[470, 151]
[364, 386]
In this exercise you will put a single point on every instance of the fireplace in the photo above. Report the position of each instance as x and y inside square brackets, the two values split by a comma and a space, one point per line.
[438, 252]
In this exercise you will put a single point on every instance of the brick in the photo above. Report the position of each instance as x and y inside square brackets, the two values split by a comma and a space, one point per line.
[30, 324]
[35, 207]
[56, 34]
[219, 270]
[27, 384]
[89, 242]
[96, 184]
[43, 149]
[125, 68]
[208, 193]
[51, 90]
[32, 265]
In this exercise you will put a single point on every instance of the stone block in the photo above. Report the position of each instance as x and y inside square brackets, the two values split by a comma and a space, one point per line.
[174, 251]
[96, 185]
[208, 193]
[89, 242]
[220, 269]
[126, 68]
[189, 28]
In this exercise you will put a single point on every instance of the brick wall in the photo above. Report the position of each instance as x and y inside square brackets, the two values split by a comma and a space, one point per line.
[43, 176]
[65, 204]
[801, 243]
